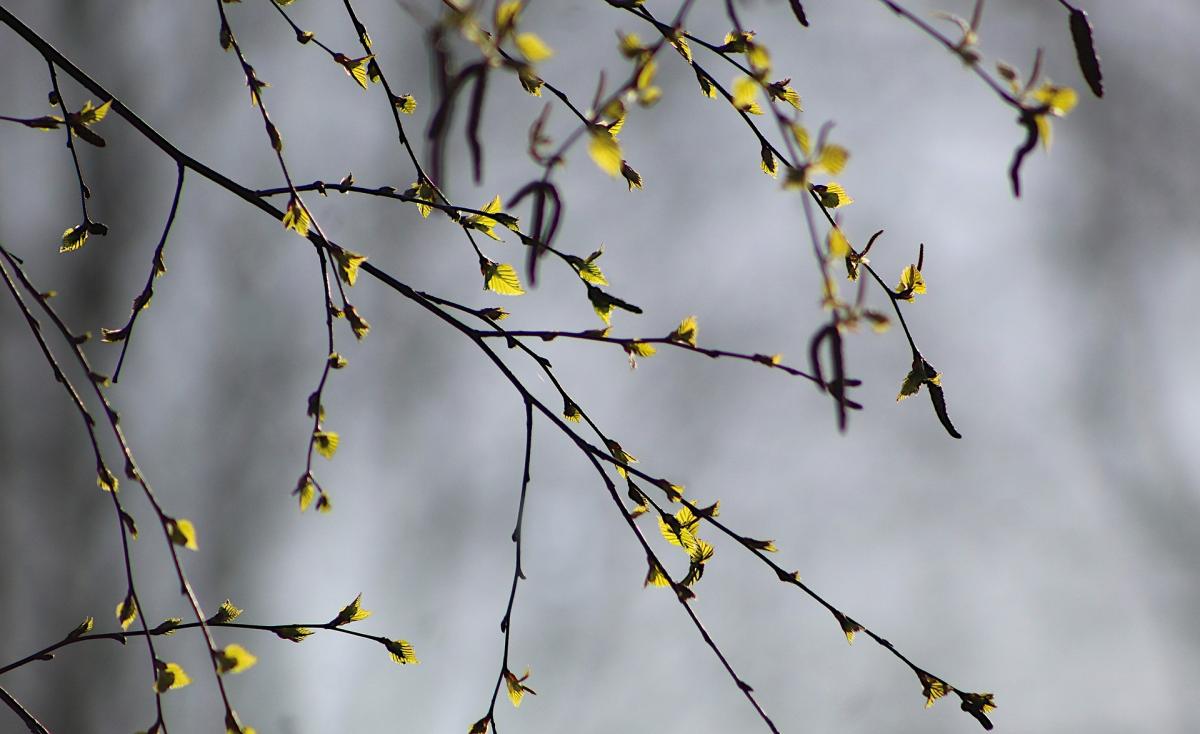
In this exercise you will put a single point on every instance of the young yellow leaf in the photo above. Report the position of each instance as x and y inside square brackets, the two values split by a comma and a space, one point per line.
[1045, 131]
[516, 686]
[507, 13]
[406, 103]
[168, 626]
[676, 533]
[74, 238]
[296, 217]
[356, 68]
[352, 612]
[640, 349]
[632, 177]
[932, 688]
[745, 94]
[106, 480]
[348, 264]
[759, 58]
[621, 457]
[295, 634]
[227, 612]
[235, 659]
[82, 629]
[911, 283]
[590, 272]
[127, 611]
[605, 151]
[89, 115]
[276, 138]
[768, 164]
[832, 158]
[402, 652]
[424, 191]
[912, 382]
[685, 332]
[832, 195]
[800, 134]
[680, 43]
[839, 246]
[170, 675]
[849, 626]
[501, 278]
[533, 48]
[484, 223]
[324, 504]
[571, 411]
[306, 494]
[530, 82]
[879, 321]
[630, 45]
[656, 576]
[326, 443]
[182, 532]
[781, 90]
[358, 324]
[767, 546]
[602, 306]
[481, 726]
[645, 75]
[1061, 100]
[701, 553]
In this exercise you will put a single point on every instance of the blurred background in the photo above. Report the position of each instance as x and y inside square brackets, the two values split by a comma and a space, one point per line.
[1049, 556]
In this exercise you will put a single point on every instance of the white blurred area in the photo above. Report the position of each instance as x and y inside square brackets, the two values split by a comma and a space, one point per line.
[1049, 556]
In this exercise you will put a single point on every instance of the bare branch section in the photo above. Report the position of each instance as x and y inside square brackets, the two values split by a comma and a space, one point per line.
[498, 45]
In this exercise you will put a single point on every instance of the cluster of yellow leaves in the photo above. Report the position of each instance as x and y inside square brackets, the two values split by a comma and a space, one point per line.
[529, 45]
[1047, 100]
[828, 158]
[756, 54]
[681, 530]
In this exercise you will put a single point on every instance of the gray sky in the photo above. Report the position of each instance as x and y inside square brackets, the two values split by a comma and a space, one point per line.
[1048, 556]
